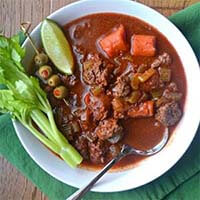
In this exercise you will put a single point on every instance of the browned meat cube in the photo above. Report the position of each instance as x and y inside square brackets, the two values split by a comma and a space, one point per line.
[99, 106]
[97, 151]
[81, 145]
[169, 114]
[108, 128]
[163, 59]
[122, 87]
[95, 71]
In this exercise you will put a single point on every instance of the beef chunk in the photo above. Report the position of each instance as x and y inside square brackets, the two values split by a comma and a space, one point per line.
[122, 87]
[169, 114]
[87, 126]
[172, 87]
[108, 128]
[151, 83]
[161, 101]
[90, 136]
[171, 92]
[163, 59]
[99, 106]
[172, 96]
[81, 145]
[96, 71]
[97, 151]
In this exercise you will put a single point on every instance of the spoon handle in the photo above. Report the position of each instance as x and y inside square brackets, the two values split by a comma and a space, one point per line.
[81, 192]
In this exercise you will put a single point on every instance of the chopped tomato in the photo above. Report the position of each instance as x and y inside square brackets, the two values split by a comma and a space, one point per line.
[143, 110]
[87, 99]
[143, 45]
[114, 42]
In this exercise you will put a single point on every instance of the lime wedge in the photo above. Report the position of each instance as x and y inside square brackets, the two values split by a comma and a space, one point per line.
[57, 47]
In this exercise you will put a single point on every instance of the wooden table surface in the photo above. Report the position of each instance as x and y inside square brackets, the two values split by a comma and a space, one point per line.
[13, 185]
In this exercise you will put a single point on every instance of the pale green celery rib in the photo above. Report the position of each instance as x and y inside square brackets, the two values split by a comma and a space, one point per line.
[41, 120]
[57, 134]
[67, 149]
[69, 154]
[55, 148]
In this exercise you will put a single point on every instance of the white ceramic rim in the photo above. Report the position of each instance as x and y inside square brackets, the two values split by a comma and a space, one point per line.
[152, 167]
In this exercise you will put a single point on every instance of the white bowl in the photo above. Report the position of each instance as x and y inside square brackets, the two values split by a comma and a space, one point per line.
[152, 167]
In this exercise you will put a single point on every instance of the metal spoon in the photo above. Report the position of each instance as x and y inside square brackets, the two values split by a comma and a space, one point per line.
[126, 150]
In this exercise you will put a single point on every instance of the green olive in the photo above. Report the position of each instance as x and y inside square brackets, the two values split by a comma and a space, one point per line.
[41, 59]
[45, 71]
[60, 92]
[54, 80]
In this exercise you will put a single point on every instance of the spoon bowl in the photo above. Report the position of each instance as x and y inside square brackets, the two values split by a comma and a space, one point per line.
[151, 151]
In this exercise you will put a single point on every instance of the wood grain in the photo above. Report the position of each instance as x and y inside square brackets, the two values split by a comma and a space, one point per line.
[13, 185]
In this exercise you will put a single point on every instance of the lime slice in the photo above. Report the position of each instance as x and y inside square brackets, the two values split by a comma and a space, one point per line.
[57, 47]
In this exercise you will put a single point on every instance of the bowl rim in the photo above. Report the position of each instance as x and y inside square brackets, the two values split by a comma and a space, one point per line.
[194, 128]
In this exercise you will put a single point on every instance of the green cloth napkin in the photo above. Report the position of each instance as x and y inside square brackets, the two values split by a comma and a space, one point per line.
[182, 182]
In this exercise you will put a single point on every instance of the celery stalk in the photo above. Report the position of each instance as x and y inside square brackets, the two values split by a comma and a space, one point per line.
[26, 101]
